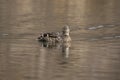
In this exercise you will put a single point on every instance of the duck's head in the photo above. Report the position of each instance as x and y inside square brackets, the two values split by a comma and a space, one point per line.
[66, 31]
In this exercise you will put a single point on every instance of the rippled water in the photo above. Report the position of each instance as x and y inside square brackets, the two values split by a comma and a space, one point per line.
[93, 54]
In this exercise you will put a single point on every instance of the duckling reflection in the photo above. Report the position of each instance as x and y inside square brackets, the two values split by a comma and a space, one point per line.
[64, 47]
[50, 45]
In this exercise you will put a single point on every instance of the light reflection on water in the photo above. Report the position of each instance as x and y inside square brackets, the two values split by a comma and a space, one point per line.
[93, 53]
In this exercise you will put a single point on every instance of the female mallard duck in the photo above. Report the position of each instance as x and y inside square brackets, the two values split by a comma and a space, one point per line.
[56, 36]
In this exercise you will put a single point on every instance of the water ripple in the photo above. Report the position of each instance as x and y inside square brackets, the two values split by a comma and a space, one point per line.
[102, 26]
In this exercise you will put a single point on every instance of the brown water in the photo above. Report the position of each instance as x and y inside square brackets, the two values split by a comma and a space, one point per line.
[94, 53]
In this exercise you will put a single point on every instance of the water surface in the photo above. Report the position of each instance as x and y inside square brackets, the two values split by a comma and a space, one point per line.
[93, 54]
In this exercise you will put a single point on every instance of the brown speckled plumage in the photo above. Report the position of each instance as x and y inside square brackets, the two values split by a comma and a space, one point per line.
[56, 36]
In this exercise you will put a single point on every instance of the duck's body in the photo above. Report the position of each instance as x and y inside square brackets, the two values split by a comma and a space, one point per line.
[49, 37]
[56, 36]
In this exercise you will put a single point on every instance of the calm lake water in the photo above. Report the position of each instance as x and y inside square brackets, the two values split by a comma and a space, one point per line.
[93, 54]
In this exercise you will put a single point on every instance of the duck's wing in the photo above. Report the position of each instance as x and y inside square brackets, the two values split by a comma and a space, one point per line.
[56, 34]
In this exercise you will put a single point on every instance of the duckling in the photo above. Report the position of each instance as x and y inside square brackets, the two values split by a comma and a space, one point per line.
[56, 36]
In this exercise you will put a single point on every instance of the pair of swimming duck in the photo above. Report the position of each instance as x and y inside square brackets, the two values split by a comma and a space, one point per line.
[64, 36]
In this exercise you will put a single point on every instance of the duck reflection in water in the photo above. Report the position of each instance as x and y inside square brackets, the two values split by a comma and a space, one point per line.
[65, 47]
